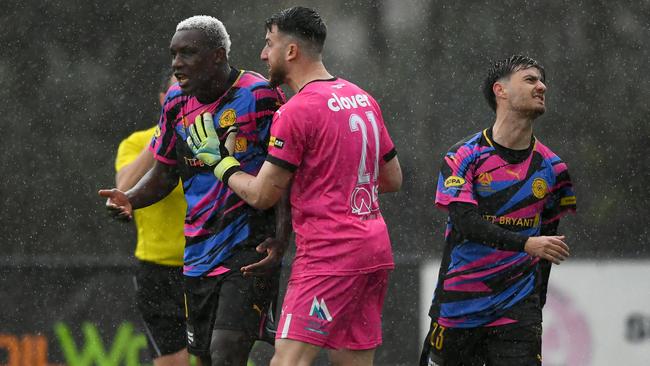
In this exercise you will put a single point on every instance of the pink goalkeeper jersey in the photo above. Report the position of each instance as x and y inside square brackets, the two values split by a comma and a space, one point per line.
[332, 136]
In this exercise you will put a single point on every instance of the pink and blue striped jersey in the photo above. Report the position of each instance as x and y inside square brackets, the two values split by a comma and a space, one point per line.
[480, 285]
[217, 221]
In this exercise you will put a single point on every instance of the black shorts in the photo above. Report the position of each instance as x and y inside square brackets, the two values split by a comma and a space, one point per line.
[228, 301]
[506, 345]
[159, 298]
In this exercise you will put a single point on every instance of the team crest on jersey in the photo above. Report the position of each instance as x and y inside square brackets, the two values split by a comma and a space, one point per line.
[320, 310]
[276, 142]
[228, 118]
[454, 181]
[540, 188]
[485, 178]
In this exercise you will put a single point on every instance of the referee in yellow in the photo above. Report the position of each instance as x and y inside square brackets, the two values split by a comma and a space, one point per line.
[158, 279]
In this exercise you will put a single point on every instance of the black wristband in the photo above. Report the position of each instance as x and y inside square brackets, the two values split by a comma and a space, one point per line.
[230, 171]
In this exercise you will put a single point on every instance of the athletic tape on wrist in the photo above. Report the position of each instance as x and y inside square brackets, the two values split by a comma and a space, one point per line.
[227, 165]
[228, 173]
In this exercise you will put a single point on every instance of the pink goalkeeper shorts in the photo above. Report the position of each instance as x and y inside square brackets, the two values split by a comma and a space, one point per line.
[335, 312]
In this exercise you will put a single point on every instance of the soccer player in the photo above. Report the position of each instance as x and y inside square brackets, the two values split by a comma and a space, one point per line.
[505, 192]
[330, 142]
[159, 250]
[226, 311]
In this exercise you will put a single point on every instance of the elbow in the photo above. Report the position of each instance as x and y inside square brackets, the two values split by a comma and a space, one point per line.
[388, 188]
[261, 204]
[397, 184]
[262, 201]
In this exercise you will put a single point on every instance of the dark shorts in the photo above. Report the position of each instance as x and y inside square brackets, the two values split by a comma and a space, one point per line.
[507, 345]
[231, 302]
[159, 298]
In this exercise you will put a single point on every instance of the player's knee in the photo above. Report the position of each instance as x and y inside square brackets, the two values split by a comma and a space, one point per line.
[293, 353]
[349, 357]
[284, 355]
[284, 359]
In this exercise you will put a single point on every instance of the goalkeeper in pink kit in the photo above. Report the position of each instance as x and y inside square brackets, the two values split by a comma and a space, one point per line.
[330, 146]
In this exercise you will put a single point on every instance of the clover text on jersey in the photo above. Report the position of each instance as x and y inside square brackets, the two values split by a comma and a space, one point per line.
[337, 103]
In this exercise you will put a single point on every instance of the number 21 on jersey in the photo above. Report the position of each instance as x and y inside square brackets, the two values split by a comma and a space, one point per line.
[363, 200]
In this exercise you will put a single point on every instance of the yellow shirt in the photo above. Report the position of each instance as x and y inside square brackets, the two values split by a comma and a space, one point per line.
[160, 226]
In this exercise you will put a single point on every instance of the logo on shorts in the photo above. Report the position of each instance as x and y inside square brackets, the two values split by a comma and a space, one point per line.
[190, 337]
[320, 309]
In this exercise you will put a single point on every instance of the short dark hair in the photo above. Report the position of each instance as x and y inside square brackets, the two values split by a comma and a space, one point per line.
[302, 23]
[503, 69]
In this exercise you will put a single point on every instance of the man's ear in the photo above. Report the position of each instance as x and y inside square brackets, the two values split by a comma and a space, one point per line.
[220, 56]
[499, 90]
[292, 51]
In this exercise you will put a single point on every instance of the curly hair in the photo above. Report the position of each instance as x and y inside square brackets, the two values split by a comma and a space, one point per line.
[214, 31]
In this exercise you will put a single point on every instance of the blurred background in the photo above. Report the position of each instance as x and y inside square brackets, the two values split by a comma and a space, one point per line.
[79, 76]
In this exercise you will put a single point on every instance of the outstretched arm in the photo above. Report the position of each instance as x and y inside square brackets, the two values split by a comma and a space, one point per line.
[155, 185]
[130, 174]
[265, 189]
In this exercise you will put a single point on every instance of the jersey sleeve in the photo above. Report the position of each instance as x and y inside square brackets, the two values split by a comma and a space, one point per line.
[386, 146]
[288, 137]
[131, 147]
[456, 178]
[163, 143]
[267, 100]
[562, 198]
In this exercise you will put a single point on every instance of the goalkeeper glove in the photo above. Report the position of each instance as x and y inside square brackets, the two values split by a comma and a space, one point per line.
[210, 145]
[203, 140]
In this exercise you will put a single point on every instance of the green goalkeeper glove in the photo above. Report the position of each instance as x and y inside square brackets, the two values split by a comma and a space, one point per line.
[211, 146]
[203, 140]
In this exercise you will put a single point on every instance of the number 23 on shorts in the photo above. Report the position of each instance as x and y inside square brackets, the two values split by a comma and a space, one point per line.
[436, 339]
